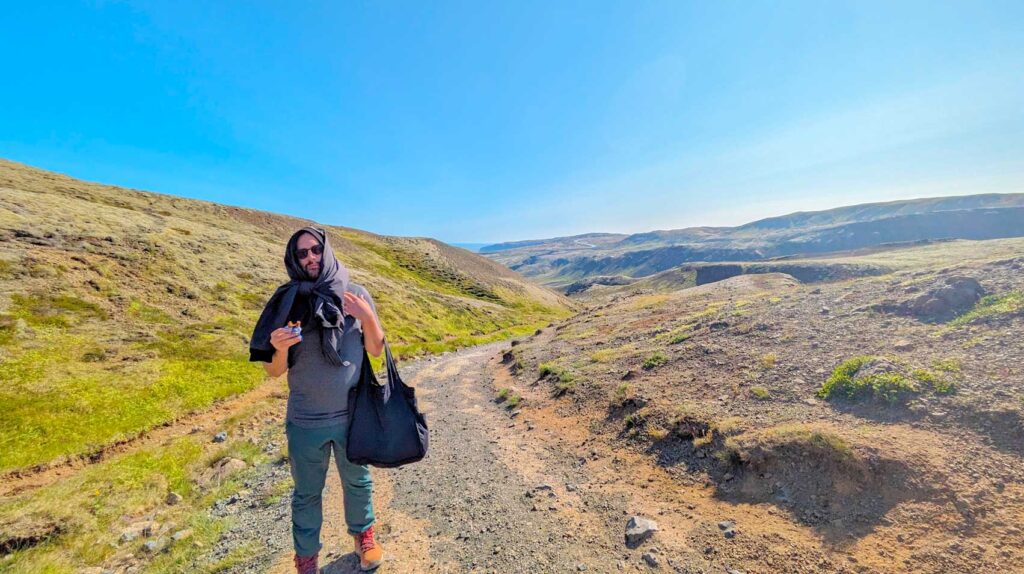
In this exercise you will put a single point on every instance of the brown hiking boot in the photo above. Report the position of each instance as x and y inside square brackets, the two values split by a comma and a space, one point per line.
[306, 564]
[369, 552]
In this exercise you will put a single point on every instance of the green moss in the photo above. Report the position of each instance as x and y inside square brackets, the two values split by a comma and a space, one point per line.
[563, 387]
[91, 409]
[892, 388]
[147, 313]
[8, 328]
[760, 393]
[947, 365]
[555, 371]
[45, 309]
[654, 361]
[840, 383]
[993, 305]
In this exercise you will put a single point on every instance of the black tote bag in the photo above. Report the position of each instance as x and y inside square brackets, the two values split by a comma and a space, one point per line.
[385, 427]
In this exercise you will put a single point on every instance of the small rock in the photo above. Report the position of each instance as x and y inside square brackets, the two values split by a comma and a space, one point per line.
[650, 559]
[903, 345]
[726, 524]
[154, 546]
[220, 437]
[639, 529]
[181, 534]
[173, 498]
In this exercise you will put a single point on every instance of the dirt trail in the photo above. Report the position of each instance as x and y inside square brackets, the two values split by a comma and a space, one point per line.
[466, 508]
[538, 493]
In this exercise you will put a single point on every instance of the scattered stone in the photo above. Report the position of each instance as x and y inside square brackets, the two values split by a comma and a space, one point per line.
[650, 559]
[221, 470]
[173, 498]
[154, 546]
[903, 345]
[181, 534]
[639, 529]
[726, 525]
[220, 437]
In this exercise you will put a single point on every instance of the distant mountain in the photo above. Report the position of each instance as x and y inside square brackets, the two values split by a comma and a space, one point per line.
[565, 260]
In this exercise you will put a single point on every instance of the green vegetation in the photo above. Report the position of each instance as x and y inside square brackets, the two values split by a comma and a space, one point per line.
[556, 372]
[768, 361]
[634, 420]
[795, 439]
[87, 409]
[613, 354]
[8, 328]
[95, 504]
[509, 397]
[654, 361]
[947, 365]
[680, 336]
[940, 385]
[623, 391]
[760, 393]
[45, 309]
[993, 305]
[890, 387]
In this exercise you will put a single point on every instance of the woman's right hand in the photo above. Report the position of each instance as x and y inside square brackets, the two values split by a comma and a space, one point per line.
[283, 338]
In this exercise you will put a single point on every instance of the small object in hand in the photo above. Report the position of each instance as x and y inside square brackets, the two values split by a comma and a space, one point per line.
[296, 328]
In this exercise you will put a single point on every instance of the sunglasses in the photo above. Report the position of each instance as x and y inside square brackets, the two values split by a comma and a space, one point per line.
[316, 249]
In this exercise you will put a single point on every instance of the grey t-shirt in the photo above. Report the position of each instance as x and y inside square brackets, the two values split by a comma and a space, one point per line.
[318, 390]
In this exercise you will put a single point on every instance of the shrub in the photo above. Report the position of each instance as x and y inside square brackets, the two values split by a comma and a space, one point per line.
[841, 383]
[562, 387]
[890, 387]
[947, 365]
[656, 360]
[768, 360]
[622, 391]
[760, 393]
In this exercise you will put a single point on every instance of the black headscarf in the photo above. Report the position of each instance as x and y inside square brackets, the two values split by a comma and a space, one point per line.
[317, 303]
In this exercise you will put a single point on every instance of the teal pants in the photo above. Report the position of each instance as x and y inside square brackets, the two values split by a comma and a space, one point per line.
[309, 454]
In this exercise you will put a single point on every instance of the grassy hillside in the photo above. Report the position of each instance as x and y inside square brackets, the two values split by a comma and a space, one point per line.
[121, 309]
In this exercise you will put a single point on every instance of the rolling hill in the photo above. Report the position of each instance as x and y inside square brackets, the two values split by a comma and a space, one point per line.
[562, 261]
[121, 309]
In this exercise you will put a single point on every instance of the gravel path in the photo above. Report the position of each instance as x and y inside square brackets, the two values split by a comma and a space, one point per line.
[493, 495]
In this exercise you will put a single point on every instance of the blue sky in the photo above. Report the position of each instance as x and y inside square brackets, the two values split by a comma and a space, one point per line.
[493, 121]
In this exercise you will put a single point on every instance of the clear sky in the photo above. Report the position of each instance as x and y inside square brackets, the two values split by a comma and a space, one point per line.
[492, 121]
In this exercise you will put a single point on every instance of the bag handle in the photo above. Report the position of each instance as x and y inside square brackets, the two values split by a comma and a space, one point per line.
[390, 360]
